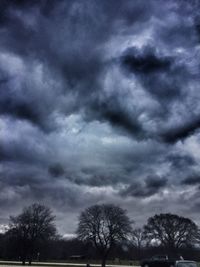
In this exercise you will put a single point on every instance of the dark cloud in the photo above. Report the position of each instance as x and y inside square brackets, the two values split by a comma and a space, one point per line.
[193, 180]
[78, 61]
[44, 6]
[147, 62]
[18, 101]
[165, 78]
[149, 187]
[182, 131]
[20, 110]
[94, 99]
[180, 161]
[112, 110]
[158, 73]
[56, 170]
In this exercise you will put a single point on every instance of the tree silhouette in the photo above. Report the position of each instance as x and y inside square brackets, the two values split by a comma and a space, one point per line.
[104, 225]
[31, 228]
[171, 231]
[138, 240]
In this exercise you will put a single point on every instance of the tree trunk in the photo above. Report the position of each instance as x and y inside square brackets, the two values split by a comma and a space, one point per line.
[103, 262]
[30, 260]
[30, 255]
[23, 260]
[23, 254]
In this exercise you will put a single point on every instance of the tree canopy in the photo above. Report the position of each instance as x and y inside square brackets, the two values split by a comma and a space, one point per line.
[104, 225]
[171, 231]
[32, 227]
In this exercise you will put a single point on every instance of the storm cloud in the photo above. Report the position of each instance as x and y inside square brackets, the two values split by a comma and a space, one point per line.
[149, 187]
[99, 102]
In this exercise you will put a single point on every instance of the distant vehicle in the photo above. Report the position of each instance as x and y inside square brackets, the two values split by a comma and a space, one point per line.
[184, 263]
[164, 261]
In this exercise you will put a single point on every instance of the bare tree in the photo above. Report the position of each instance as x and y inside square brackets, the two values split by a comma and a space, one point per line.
[33, 226]
[171, 231]
[138, 240]
[104, 225]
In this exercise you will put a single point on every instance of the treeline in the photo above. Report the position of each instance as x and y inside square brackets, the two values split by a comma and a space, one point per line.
[104, 232]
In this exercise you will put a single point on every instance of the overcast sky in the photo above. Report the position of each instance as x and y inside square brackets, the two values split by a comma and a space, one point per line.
[99, 103]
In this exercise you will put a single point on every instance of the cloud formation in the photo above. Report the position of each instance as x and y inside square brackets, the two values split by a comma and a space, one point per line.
[99, 101]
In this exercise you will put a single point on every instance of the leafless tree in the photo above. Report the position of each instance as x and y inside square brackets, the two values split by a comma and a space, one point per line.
[138, 240]
[104, 225]
[138, 237]
[33, 226]
[171, 231]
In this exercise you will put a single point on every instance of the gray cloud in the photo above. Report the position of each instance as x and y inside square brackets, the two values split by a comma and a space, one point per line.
[182, 131]
[146, 63]
[99, 101]
[193, 180]
[149, 187]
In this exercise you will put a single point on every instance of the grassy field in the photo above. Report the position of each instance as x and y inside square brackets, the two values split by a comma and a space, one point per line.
[109, 262]
[71, 263]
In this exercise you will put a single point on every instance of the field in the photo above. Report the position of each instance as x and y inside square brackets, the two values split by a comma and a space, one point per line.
[70, 264]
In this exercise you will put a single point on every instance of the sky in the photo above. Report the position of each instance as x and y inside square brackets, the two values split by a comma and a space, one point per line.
[99, 103]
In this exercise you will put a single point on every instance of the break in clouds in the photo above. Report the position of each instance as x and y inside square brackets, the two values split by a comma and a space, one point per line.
[99, 102]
